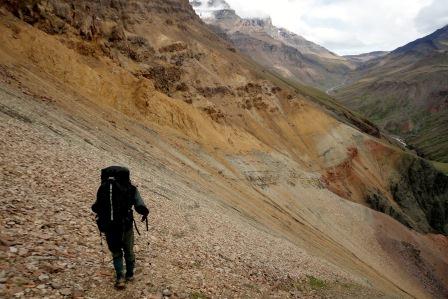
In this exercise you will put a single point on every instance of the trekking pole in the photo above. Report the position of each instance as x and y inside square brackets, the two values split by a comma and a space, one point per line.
[102, 247]
[147, 232]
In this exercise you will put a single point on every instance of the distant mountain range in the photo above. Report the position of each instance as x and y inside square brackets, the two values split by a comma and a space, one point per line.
[361, 58]
[406, 93]
[278, 49]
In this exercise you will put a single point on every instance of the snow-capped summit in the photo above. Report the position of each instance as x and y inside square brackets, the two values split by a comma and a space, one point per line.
[206, 9]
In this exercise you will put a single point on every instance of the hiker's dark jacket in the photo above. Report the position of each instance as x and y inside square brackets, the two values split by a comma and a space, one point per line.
[136, 201]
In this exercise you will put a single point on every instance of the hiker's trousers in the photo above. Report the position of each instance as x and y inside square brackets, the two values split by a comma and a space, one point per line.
[122, 244]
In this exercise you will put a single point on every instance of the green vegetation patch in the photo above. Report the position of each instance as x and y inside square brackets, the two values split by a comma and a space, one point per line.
[198, 295]
[316, 283]
[443, 167]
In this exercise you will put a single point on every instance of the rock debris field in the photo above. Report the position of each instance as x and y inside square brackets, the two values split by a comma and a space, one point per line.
[195, 248]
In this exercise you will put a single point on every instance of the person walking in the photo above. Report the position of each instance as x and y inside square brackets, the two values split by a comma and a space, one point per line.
[114, 216]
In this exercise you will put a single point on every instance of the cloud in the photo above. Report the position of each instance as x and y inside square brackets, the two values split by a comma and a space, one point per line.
[432, 17]
[351, 26]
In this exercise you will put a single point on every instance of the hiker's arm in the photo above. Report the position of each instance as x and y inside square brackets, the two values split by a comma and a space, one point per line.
[95, 205]
[139, 204]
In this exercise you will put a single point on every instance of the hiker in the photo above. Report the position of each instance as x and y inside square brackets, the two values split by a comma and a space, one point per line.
[114, 217]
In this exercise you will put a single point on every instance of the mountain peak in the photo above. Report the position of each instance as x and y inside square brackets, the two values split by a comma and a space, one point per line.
[208, 9]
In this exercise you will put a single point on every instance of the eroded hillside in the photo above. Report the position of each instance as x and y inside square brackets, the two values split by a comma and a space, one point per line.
[257, 187]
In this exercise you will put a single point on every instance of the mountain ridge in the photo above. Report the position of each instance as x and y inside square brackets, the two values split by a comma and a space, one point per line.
[404, 92]
[364, 57]
[436, 35]
[276, 48]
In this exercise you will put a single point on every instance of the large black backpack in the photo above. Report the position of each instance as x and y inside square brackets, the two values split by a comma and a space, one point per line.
[113, 206]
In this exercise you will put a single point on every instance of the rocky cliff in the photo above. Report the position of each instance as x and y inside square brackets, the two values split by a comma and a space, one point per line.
[421, 194]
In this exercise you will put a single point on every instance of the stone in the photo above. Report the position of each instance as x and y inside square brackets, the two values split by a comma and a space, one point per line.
[13, 249]
[55, 285]
[45, 237]
[43, 277]
[31, 266]
[166, 293]
[19, 280]
[65, 291]
[77, 294]
[183, 295]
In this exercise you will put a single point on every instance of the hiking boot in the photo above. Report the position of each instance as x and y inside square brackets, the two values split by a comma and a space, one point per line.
[130, 278]
[120, 284]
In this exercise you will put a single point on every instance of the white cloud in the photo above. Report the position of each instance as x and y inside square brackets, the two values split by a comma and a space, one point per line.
[433, 16]
[351, 26]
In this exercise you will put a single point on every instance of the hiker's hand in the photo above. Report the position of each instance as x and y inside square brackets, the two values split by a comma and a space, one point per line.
[144, 217]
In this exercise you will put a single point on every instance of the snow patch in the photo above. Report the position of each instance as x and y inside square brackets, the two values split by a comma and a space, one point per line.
[206, 9]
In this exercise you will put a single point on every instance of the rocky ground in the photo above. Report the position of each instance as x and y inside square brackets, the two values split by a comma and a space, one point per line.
[50, 247]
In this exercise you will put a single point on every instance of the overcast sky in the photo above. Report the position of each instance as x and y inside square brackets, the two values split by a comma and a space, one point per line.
[352, 26]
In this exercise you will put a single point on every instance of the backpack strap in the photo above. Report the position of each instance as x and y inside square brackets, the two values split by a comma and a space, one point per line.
[111, 179]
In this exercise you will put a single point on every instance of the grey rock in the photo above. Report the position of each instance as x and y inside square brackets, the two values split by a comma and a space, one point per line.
[23, 251]
[166, 293]
[55, 285]
[65, 291]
